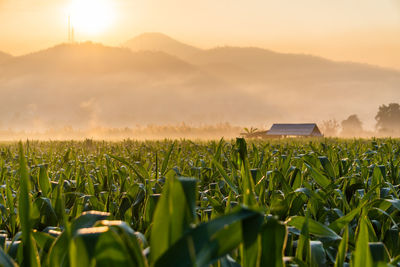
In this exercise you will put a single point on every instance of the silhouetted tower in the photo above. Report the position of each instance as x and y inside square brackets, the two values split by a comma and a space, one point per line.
[71, 33]
[69, 29]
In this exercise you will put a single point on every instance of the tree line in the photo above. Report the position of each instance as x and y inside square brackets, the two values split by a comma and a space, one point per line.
[387, 123]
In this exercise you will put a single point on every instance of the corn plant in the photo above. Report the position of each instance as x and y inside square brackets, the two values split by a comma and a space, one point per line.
[299, 202]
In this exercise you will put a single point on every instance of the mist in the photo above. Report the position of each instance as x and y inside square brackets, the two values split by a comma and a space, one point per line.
[155, 80]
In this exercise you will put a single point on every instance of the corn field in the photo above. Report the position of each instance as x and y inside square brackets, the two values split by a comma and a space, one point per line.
[327, 202]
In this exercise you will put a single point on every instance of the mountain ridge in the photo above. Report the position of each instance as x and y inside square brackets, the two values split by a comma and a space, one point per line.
[257, 66]
[93, 84]
[4, 56]
[93, 57]
[153, 41]
[156, 42]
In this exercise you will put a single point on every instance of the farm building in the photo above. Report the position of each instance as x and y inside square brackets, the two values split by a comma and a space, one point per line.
[288, 130]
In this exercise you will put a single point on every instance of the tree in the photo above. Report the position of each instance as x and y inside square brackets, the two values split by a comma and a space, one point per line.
[252, 133]
[251, 130]
[330, 127]
[352, 126]
[388, 118]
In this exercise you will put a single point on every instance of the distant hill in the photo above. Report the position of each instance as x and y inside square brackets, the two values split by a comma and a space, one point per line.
[257, 65]
[4, 56]
[91, 58]
[221, 55]
[90, 84]
[158, 80]
[164, 43]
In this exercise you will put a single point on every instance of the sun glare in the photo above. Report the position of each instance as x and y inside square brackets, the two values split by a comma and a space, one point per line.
[91, 16]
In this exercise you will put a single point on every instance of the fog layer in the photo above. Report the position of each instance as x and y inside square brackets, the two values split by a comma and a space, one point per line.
[157, 80]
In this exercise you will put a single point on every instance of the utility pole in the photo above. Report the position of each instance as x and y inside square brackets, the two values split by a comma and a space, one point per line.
[72, 35]
[71, 32]
[69, 28]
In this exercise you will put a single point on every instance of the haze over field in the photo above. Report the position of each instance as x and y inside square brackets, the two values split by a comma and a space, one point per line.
[155, 79]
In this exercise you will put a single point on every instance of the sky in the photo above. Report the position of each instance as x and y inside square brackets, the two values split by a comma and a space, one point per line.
[366, 31]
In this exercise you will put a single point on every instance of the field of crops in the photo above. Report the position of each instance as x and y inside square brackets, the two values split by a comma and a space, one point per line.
[163, 203]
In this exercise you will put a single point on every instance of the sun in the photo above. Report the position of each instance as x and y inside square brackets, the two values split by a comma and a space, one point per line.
[91, 16]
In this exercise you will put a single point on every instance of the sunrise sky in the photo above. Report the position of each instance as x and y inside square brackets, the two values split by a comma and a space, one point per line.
[356, 30]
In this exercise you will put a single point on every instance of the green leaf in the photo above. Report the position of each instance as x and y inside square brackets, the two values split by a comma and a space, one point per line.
[210, 241]
[273, 236]
[395, 203]
[341, 255]
[227, 261]
[10, 206]
[247, 180]
[392, 241]
[226, 177]
[379, 252]
[303, 251]
[88, 219]
[130, 240]
[164, 165]
[285, 186]
[58, 255]
[44, 181]
[376, 179]
[319, 178]
[314, 227]
[362, 254]
[318, 255]
[5, 260]
[111, 243]
[150, 208]
[250, 247]
[172, 217]
[29, 257]
[328, 168]
[338, 224]
[189, 186]
[130, 166]
[44, 242]
[43, 213]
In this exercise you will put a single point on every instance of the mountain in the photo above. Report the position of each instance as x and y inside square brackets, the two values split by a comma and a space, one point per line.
[4, 56]
[164, 43]
[161, 81]
[282, 77]
[220, 55]
[256, 65]
[87, 84]
[92, 58]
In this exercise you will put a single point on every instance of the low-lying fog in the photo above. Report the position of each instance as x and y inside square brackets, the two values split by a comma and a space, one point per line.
[90, 86]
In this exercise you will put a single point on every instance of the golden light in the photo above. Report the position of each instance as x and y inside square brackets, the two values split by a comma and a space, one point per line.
[91, 16]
